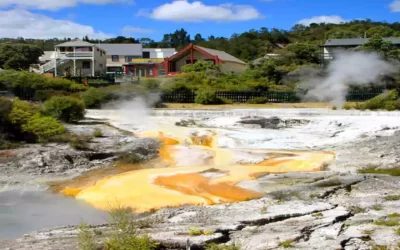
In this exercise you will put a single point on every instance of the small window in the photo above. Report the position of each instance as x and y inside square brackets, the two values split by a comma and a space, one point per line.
[101, 65]
[129, 58]
[150, 72]
[97, 49]
[115, 58]
[85, 65]
[190, 62]
[146, 54]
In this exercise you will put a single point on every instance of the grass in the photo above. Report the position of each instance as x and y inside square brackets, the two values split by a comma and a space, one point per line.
[286, 244]
[375, 170]
[195, 231]
[387, 223]
[124, 232]
[318, 215]
[97, 133]
[392, 197]
[367, 232]
[377, 207]
[214, 246]
[78, 142]
[397, 231]
[357, 210]
[394, 215]
[86, 238]
[263, 210]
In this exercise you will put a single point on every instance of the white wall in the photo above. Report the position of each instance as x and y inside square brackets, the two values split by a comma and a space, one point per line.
[100, 61]
[160, 52]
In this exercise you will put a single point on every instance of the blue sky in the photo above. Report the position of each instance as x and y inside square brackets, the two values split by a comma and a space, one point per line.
[144, 18]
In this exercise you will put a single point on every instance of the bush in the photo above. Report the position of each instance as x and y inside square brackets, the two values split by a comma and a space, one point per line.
[151, 84]
[43, 95]
[79, 142]
[258, 100]
[207, 96]
[97, 132]
[67, 109]
[383, 100]
[43, 127]
[22, 112]
[94, 98]
[86, 238]
[214, 246]
[124, 232]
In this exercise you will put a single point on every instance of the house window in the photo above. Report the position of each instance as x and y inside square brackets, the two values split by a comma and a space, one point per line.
[86, 65]
[146, 54]
[115, 58]
[129, 58]
[150, 72]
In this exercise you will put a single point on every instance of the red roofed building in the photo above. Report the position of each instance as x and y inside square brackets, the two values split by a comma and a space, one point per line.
[188, 55]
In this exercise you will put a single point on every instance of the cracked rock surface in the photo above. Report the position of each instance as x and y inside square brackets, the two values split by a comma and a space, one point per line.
[328, 210]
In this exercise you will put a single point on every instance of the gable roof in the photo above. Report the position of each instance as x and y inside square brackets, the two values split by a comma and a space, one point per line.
[122, 48]
[356, 41]
[221, 55]
[75, 43]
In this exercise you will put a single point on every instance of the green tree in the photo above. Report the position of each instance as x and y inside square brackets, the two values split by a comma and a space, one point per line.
[378, 45]
[18, 56]
[381, 31]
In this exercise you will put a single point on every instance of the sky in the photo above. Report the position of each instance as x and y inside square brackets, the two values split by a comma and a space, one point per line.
[152, 18]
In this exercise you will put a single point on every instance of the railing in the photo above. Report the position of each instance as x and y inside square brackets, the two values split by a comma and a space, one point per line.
[75, 54]
[188, 96]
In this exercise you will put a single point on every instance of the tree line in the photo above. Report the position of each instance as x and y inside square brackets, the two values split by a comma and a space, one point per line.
[248, 45]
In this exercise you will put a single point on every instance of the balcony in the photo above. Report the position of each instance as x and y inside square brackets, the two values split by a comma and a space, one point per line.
[75, 54]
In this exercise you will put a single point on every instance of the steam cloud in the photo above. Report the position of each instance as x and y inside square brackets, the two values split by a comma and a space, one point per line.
[356, 68]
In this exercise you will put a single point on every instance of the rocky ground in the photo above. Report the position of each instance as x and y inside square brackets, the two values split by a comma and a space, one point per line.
[332, 209]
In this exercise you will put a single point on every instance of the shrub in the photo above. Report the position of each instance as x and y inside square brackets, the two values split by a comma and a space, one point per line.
[79, 142]
[258, 100]
[65, 108]
[43, 95]
[22, 112]
[86, 238]
[94, 98]
[207, 96]
[375, 170]
[195, 231]
[124, 232]
[97, 132]
[380, 101]
[151, 84]
[43, 127]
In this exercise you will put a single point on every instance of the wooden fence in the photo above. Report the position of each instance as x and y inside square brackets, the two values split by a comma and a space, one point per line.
[245, 96]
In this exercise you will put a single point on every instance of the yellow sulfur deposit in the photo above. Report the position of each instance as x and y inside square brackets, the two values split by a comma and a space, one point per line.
[197, 173]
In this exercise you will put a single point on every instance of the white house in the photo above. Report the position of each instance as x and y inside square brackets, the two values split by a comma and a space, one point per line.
[333, 46]
[76, 58]
[121, 54]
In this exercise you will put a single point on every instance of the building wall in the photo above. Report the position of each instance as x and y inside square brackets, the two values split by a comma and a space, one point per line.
[196, 56]
[100, 61]
[160, 52]
[232, 67]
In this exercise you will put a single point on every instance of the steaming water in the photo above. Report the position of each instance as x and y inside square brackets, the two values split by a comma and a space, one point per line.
[32, 209]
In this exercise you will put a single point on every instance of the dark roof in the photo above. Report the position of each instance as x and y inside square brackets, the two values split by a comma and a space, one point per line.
[122, 49]
[221, 55]
[356, 41]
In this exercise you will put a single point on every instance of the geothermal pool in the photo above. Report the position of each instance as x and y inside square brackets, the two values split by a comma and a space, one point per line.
[205, 163]
[201, 165]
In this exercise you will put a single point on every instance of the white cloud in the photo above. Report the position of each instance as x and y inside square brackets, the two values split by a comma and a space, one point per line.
[127, 30]
[322, 19]
[54, 4]
[395, 6]
[22, 23]
[183, 10]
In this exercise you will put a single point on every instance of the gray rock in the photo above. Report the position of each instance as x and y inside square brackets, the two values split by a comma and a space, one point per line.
[271, 122]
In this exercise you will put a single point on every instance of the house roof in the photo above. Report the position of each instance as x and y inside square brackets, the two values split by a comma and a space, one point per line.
[221, 55]
[47, 56]
[122, 49]
[75, 43]
[356, 41]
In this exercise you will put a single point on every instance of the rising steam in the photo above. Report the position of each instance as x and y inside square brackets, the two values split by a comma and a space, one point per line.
[348, 68]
